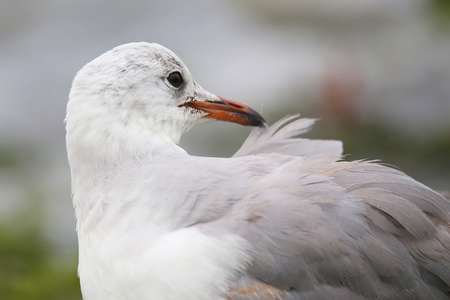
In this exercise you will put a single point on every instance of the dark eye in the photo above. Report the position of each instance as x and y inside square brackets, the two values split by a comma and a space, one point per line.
[175, 79]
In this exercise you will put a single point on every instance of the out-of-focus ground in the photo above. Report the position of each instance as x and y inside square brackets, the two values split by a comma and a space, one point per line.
[377, 73]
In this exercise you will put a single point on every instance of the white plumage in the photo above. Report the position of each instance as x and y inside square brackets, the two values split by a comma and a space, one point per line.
[283, 219]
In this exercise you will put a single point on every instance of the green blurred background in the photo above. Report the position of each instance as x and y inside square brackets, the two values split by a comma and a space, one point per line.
[377, 74]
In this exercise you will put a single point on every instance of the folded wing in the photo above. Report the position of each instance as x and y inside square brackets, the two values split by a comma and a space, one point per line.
[321, 228]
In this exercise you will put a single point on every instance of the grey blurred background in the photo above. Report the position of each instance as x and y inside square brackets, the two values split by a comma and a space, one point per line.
[377, 73]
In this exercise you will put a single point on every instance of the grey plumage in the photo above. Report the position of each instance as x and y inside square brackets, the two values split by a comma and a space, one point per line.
[321, 228]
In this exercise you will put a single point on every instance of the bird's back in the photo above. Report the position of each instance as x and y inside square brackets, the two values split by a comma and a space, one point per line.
[322, 228]
[348, 231]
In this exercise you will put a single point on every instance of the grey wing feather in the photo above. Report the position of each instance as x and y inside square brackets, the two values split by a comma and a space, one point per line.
[321, 228]
[278, 138]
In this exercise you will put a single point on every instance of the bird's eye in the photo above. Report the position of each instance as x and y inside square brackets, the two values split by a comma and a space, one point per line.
[175, 79]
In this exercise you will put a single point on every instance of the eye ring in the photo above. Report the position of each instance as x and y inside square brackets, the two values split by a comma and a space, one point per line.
[175, 79]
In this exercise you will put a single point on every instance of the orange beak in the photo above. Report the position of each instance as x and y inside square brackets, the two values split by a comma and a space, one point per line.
[229, 111]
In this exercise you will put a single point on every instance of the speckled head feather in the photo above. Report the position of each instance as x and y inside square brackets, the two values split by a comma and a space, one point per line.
[126, 88]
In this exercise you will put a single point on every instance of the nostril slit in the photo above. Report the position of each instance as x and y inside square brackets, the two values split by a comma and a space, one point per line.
[236, 105]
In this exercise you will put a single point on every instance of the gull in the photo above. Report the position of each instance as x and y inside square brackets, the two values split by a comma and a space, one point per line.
[284, 218]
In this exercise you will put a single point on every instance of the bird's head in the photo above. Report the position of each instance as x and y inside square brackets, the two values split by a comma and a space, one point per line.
[141, 90]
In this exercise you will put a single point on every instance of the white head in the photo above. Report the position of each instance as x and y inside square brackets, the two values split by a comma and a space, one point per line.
[136, 98]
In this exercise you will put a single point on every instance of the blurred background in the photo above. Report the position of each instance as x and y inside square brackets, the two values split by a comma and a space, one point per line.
[376, 73]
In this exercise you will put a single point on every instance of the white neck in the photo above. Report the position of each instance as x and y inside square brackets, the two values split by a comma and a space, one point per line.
[94, 158]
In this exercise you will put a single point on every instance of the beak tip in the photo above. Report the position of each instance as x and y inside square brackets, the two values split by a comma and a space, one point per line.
[257, 122]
